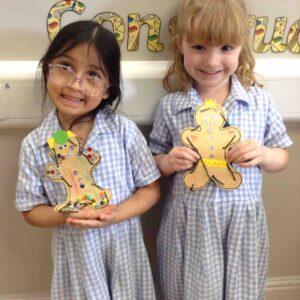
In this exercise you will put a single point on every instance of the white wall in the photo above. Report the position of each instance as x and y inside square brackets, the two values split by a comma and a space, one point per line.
[20, 94]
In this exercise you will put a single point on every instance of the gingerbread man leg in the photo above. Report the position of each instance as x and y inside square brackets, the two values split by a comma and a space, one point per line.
[65, 206]
[226, 178]
[102, 199]
[197, 179]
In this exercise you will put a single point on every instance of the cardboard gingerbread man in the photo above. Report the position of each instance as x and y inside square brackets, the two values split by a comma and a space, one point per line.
[211, 140]
[74, 168]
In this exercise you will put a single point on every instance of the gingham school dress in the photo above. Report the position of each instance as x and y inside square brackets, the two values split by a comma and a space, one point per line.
[213, 243]
[93, 264]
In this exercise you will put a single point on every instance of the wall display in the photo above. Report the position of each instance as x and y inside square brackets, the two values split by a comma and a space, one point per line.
[277, 44]
[143, 31]
[134, 24]
[135, 21]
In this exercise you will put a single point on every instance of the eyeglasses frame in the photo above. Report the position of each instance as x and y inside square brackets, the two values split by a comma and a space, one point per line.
[75, 79]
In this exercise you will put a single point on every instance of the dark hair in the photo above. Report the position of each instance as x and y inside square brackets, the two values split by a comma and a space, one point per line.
[106, 47]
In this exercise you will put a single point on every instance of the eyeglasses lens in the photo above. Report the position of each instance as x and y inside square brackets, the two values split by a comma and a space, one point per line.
[65, 77]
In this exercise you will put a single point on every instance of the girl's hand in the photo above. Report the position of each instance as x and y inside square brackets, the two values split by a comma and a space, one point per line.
[142, 200]
[248, 153]
[181, 158]
[88, 217]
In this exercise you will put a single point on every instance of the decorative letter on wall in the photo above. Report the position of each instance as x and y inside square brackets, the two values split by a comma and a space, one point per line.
[259, 35]
[134, 24]
[276, 45]
[172, 26]
[293, 37]
[117, 22]
[56, 12]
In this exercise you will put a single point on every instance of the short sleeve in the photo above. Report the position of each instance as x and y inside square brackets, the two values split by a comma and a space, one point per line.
[29, 190]
[160, 136]
[142, 163]
[275, 133]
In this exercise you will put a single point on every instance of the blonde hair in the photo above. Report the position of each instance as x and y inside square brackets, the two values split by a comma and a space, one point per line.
[212, 22]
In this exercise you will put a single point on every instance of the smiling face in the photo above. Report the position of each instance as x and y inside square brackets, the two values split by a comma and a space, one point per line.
[210, 66]
[72, 101]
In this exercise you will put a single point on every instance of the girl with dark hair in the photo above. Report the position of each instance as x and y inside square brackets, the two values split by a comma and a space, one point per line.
[97, 253]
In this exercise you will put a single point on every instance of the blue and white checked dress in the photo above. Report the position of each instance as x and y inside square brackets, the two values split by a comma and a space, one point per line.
[213, 243]
[93, 264]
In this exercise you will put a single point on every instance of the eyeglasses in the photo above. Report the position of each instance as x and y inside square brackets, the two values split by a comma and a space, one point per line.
[64, 75]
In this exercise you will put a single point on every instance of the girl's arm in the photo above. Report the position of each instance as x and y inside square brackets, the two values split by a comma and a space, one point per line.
[140, 202]
[178, 159]
[44, 216]
[144, 198]
[250, 153]
[275, 159]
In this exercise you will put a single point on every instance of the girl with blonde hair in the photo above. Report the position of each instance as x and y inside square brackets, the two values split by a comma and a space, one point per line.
[213, 242]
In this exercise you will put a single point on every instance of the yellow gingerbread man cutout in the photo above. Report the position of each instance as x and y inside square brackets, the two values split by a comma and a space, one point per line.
[74, 167]
[211, 140]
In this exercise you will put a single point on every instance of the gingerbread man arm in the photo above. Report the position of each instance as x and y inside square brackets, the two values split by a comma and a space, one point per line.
[234, 135]
[53, 173]
[188, 137]
[92, 156]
